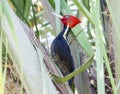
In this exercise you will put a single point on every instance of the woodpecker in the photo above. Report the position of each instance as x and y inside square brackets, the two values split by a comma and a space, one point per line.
[60, 51]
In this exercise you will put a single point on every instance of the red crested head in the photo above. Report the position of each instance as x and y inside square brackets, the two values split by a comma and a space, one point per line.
[70, 20]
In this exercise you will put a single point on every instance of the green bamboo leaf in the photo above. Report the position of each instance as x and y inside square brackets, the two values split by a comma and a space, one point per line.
[19, 13]
[57, 10]
[86, 4]
[23, 6]
[6, 57]
[1, 38]
[35, 21]
[7, 13]
[101, 53]
[113, 16]
[27, 64]
[114, 10]
[46, 79]
[26, 7]
[118, 85]
[1, 74]
[82, 8]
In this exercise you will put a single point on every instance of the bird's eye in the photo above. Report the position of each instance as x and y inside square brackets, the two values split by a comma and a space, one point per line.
[67, 16]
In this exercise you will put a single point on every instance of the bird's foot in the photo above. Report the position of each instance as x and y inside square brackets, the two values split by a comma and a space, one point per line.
[56, 78]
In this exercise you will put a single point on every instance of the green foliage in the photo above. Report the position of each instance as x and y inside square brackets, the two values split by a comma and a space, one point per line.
[19, 48]
[22, 7]
[113, 8]
[90, 9]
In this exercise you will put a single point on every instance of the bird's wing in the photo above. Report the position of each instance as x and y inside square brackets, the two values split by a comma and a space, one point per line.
[65, 56]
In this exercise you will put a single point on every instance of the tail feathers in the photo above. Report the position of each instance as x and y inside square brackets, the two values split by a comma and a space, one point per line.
[71, 84]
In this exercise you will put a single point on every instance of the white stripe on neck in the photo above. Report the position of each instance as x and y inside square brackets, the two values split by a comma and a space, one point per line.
[66, 30]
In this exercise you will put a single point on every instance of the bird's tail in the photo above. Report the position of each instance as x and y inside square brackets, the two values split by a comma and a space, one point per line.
[71, 84]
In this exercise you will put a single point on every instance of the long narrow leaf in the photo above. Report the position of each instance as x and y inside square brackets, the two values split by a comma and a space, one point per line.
[1, 74]
[84, 10]
[57, 10]
[30, 72]
[100, 43]
[113, 8]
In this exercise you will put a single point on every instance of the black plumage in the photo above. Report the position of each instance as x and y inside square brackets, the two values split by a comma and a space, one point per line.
[61, 54]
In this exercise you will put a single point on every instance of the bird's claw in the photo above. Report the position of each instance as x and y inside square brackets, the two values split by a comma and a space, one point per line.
[56, 78]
